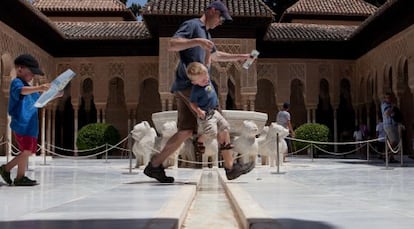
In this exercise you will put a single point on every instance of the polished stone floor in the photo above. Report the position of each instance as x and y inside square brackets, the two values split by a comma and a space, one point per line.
[323, 193]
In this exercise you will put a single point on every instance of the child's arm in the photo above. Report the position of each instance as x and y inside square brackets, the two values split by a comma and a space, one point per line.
[200, 113]
[26, 90]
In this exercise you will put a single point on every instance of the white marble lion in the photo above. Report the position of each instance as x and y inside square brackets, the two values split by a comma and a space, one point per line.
[211, 150]
[246, 145]
[144, 140]
[168, 129]
[267, 143]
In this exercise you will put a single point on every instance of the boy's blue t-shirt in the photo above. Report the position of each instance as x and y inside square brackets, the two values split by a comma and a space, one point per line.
[24, 115]
[205, 97]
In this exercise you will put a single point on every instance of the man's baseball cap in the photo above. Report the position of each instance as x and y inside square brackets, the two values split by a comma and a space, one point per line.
[219, 5]
[30, 62]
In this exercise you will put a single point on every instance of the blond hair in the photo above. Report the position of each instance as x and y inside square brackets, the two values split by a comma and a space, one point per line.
[195, 69]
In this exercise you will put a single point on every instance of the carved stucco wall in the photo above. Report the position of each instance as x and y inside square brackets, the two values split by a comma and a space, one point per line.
[389, 68]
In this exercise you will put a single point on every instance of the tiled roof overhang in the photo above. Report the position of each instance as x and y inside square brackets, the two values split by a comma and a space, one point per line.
[118, 30]
[84, 8]
[390, 19]
[308, 32]
[329, 9]
[250, 17]
[287, 40]
[31, 23]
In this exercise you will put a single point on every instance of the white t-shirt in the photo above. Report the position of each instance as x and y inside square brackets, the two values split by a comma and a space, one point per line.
[282, 118]
[358, 135]
[380, 130]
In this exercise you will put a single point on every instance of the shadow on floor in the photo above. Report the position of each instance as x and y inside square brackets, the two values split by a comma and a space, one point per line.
[292, 224]
[91, 223]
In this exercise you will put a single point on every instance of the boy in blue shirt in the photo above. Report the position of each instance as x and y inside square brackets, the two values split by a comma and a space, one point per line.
[24, 118]
[204, 102]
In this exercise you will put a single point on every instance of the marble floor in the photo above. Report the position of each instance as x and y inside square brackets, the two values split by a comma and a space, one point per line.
[323, 193]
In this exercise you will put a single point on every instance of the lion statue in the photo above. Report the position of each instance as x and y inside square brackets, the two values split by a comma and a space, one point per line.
[267, 143]
[246, 145]
[144, 140]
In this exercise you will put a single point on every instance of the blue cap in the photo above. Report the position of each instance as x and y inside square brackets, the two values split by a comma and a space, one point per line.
[219, 5]
[30, 62]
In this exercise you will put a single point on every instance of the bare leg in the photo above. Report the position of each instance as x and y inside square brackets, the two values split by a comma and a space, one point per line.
[228, 158]
[171, 146]
[21, 162]
[224, 138]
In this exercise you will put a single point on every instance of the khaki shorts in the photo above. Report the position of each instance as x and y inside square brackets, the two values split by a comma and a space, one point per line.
[214, 125]
[186, 119]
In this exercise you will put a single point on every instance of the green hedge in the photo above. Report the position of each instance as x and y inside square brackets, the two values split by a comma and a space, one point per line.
[311, 132]
[96, 134]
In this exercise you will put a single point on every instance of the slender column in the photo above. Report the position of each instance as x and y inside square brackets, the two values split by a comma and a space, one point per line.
[335, 130]
[75, 129]
[358, 116]
[43, 132]
[53, 114]
[49, 129]
[313, 115]
[164, 103]
[308, 115]
[223, 97]
[103, 116]
[98, 114]
[9, 139]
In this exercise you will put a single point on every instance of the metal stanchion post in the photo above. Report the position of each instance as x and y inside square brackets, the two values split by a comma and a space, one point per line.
[386, 154]
[367, 151]
[44, 157]
[277, 155]
[130, 155]
[311, 149]
[400, 147]
[106, 152]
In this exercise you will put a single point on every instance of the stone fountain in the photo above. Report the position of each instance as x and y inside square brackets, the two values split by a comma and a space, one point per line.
[234, 117]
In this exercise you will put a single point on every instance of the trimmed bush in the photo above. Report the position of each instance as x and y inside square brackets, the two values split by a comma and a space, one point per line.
[96, 134]
[311, 132]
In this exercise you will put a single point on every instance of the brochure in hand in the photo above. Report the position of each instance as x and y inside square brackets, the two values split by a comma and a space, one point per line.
[56, 86]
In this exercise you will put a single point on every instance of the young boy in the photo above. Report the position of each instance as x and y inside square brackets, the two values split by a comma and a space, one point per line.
[24, 118]
[204, 102]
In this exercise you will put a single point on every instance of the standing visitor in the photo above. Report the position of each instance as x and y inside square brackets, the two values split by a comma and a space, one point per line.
[24, 118]
[283, 119]
[389, 124]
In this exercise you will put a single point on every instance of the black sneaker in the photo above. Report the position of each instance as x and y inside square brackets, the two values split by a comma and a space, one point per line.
[239, 169]
[158, 173]
[5, 175]
[24, 181]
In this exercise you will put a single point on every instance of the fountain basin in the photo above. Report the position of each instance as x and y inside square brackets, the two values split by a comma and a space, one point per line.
[234, 117]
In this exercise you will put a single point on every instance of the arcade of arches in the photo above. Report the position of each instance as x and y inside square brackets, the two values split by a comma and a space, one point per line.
[123, 91]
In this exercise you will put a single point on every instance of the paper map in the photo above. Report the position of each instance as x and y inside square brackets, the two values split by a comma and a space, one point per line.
[56, 86]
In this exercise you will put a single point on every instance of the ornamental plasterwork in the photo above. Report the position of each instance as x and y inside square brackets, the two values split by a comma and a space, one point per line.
[266, 71]
[149, 70]
[394, 50]
[87, 70]
[117, 70]
[297, 71]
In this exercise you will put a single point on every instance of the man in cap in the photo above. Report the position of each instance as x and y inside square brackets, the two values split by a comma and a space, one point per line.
[24, 117]
[193, 42]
